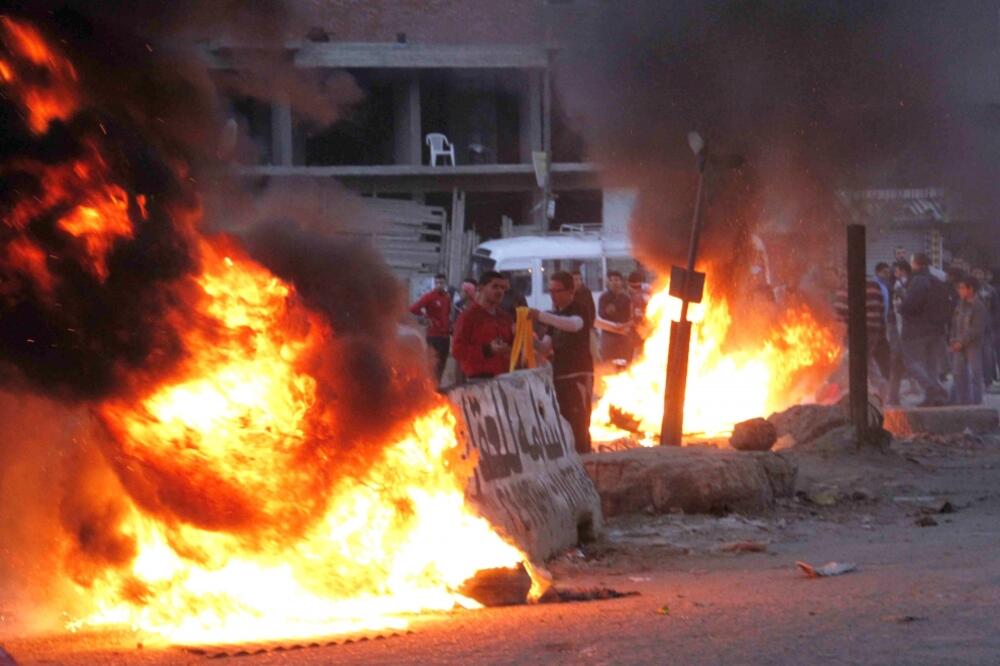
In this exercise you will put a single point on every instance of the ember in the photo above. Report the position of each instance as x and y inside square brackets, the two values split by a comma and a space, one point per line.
[250, 508]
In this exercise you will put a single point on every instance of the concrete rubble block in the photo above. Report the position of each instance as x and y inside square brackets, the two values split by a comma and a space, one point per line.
[804, 423]
[529, 481]
[941, 420]
[754, 435]
[664, 479]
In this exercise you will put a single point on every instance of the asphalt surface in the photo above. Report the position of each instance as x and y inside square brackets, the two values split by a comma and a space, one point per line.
[920, 595]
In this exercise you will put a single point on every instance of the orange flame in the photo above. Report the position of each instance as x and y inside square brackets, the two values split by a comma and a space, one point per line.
[44, 99]
[724, 386]
[241, 529]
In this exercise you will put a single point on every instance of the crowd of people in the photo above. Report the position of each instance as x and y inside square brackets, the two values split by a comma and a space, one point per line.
[925, 325]
[475, 324]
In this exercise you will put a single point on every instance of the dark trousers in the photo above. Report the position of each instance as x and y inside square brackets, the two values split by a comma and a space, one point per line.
[440, 345]
[574, 394]
[921, 358]
[967, 371]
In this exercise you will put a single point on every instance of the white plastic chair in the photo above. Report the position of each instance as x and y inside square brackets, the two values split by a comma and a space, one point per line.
[440, 147]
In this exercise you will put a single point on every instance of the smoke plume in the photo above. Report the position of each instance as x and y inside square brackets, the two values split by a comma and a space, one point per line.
[817, 97]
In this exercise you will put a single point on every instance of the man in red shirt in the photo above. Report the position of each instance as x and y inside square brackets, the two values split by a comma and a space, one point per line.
[484, 332]
[436, 306]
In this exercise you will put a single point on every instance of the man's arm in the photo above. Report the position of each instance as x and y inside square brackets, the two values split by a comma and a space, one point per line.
[605, 306]
[418, 307]
[570, 324]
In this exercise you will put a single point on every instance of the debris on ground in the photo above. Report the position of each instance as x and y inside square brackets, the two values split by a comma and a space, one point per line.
[664, 610]
[556, 595]
[926, 503]
[499, 586]
[904, 619]
[744, 547]
[753, 435]
[828, 569]
[925, 521]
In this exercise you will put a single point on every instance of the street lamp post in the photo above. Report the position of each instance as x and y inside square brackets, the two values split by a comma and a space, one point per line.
[689, 289]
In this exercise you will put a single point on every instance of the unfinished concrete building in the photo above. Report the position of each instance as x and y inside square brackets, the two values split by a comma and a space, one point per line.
[468, 84]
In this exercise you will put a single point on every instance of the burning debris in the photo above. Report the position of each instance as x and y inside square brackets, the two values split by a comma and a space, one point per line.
[236, 487]
[729, 381]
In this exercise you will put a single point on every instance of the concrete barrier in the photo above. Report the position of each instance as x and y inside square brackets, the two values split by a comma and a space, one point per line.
[529, 480]
[692, 479]
[940, 420]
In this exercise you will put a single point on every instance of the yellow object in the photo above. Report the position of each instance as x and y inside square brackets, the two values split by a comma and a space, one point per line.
[524, 341]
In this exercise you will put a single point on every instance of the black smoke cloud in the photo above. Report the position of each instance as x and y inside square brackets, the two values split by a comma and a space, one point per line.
[152, 106]
[817, 97]
[77, 340]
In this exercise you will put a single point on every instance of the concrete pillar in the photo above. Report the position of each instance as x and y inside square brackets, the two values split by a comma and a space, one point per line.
[407, 140]
[530, 120]
[281, 133]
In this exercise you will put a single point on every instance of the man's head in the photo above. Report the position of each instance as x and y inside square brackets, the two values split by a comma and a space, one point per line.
[441, 282]
[920, 262]
[979, 274]
[468, 289]
[967, 288]
[492, 286]
[577, 279]
[902, 270]
[635, 280]
[883, 271]
[615, 281]
[955, 274]
[561, 289]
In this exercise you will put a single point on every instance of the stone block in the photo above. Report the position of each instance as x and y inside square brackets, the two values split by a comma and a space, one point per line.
[663, 479]
[753, 435]
[941, 420]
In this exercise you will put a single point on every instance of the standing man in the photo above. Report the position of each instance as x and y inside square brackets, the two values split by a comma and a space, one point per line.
[615, 307]
[885, 280]
[568, 335]
[582, 295]
[640, 299]
[875, 308]
[465, 295]
[435, 305]
[922, 331]
[988, 296]
[901, 271]
[966, 343]
[484, 332]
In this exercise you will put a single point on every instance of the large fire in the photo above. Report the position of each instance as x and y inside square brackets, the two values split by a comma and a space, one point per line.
[726, 383]
[237, 529]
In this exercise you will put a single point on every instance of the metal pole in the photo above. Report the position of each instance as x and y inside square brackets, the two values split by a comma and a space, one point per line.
[547, 138]
[672, 426]
[857, 331]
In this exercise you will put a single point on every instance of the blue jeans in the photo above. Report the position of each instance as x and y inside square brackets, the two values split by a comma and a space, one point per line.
[920, 358]
[967, 370]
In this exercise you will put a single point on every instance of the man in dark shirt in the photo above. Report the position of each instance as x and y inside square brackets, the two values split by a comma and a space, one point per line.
[582, 295]
[640, 299]
[568, 334]
[484, 332]
[614, 311]
[436, 306]
[922, 331]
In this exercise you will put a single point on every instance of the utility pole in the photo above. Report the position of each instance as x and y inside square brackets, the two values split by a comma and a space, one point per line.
[688, 286]
[857, 330]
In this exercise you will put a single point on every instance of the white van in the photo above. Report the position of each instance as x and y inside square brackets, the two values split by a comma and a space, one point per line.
[526, 260]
